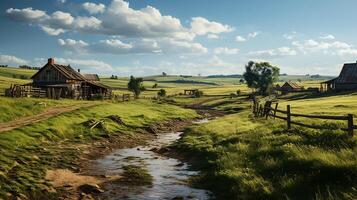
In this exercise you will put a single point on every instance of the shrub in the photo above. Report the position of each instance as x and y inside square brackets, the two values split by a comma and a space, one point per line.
[198, 94]
[161, 93]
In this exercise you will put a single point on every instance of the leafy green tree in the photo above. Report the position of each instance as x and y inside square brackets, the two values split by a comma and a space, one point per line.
[135, 85]
[261, 76]
[161, 93]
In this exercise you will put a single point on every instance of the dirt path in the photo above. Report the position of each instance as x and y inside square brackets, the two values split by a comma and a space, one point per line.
[48, 113]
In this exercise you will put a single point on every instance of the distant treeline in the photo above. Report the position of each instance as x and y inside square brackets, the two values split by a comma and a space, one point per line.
[28, 67]
[3, 66]
[189, 82]
[226, 76]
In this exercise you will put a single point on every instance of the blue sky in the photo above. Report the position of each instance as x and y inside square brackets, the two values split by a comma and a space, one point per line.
[143, 37]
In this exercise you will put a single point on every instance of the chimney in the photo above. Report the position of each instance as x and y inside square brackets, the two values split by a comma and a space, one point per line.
[51, 61]
[79, 70]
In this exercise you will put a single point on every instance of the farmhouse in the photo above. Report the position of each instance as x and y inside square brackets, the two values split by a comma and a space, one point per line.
[63, 81]
[347, 80]
[290, 86]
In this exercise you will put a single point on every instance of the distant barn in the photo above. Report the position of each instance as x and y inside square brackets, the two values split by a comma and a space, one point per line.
[65, 82]
[290, 86]
[347, 80]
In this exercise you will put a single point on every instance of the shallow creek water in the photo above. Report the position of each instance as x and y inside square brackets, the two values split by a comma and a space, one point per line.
[169, 174]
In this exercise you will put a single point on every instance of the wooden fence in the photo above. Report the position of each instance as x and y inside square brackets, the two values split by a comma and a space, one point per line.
[268, 111]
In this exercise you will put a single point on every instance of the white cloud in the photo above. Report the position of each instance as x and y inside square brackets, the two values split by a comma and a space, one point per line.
[61, 1]
[26, 14]
[115, 46]
[273, 53]
[253, 34]
[74, 45]
[290, 36]
[327, 37]
[93, 8]
[12, 60]
[212, 36]
[201, 26]
[226, 51]
[87, 65]
[51, 31]
[315, 46]
[88, 24]
[117, 20]
[240, 38]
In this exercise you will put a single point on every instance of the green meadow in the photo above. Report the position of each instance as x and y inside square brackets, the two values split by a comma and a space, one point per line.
[239, 156]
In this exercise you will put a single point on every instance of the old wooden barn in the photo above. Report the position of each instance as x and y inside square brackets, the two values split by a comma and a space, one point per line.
[289, 86]
[347, 80]
[62, 81]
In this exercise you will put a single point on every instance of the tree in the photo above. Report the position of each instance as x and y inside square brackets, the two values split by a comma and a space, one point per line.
[261, 76]
[135, 85]
[155, 85]
[241, 81]
[161, 93]
[164, 74]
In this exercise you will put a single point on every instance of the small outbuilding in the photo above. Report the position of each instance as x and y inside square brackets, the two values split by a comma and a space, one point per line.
[290, 86]
[347, 80]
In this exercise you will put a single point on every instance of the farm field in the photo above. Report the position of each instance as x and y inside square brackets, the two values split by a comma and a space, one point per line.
[27, 152]
[238, 155]
[257, 158]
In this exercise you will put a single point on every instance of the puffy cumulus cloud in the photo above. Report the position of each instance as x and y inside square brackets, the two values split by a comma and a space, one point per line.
[93, 8]
[87, 65]
[26, 14]
[290, 36]
[12, 60]
[201, 26]
[120, 19]
[327, 37]
[116, 46]
[315, 46]
[226, 51]
[74, 45]
[52, 31]
[212, 36]
[253, 34]
[273, 53]
[117, 19]
[240, 38]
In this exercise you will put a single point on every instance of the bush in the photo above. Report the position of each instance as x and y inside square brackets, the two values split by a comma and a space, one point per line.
[155, 85]
[238, 92]
[161, 93]
[198, 94]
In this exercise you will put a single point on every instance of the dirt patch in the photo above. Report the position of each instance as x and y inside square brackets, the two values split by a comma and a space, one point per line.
[66, 178]
[48, 113]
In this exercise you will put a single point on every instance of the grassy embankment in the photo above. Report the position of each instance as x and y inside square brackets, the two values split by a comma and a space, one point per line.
[245, 158]
[28, 151]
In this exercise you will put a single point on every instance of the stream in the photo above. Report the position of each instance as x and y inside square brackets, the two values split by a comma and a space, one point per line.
[169, 174]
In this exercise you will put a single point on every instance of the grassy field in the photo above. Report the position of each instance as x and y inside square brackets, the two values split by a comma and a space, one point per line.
[241, 157]
[12, 72]
[247, 158]
[27, 152]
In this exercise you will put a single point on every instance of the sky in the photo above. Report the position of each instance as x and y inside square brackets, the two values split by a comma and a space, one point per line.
[182, 37]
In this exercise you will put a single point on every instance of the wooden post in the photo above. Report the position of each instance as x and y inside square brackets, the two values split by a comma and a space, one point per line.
[350, 124]
[288, 116]
[276, 108]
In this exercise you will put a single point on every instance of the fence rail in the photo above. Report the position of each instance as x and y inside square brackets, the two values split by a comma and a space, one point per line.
[268, 111]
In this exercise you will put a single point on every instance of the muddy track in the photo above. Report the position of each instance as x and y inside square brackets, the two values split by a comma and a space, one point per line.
[48, 113]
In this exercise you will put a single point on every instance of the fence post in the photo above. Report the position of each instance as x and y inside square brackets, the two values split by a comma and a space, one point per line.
[288, 116]
[276, 108]
[350, 124]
